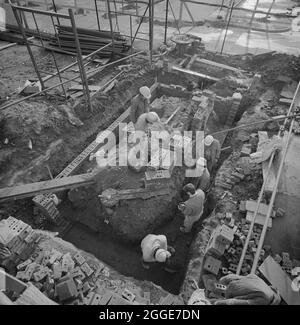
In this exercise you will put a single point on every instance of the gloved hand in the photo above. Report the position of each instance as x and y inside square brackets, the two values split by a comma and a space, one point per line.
[247, 290]
[4, 253]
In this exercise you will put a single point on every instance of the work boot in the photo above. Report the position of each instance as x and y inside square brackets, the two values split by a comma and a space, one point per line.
[145, 266]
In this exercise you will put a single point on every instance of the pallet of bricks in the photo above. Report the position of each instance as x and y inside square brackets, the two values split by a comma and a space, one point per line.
[224, 249]
[62, 277]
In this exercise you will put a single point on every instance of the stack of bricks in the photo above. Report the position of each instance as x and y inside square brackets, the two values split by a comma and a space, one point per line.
[68, 278]
[237, 97]
[22, 242]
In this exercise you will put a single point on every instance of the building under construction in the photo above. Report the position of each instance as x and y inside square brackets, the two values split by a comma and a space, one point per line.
[80, 201]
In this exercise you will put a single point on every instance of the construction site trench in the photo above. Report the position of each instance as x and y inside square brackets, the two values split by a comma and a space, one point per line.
[117, 242]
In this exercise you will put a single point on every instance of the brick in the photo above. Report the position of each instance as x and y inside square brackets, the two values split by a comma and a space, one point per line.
[168, 300]
[96, 300]
[77, 273]
[24, 265]
[55, 255]
[87, 269]
[232, 267]
[67, 263]
[66, 290]
[79, 259]
[212, 265]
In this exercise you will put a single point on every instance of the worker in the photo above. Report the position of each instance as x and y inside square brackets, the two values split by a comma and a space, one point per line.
[155, 249]
[247, 290]
[212, 152]
[145, 120]
[199, 175]
[192, 208]
[140, 104]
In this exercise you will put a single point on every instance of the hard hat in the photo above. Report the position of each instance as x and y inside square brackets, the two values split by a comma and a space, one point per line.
[189, 188]
[201, 162]
[208, 140]
[146, 92]
[152, 117]
[162, 255]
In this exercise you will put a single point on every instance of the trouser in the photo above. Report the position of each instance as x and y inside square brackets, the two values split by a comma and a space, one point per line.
[190, 221]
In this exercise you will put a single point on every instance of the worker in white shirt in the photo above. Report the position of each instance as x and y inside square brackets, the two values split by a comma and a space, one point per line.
[140, 104]
[145, 120]
[192, 208]
[155, 249]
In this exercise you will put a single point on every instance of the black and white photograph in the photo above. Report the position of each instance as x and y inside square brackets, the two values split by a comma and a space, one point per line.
[149, 155]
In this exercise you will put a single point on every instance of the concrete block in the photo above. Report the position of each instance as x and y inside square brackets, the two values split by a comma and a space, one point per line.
[79, 259]
[66, 290]
[212, 265]
[87, 270]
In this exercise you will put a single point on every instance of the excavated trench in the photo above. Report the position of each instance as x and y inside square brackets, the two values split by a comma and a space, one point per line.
[92, 234]
[100, 239]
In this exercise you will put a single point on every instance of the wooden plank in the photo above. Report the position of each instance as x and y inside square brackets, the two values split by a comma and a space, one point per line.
[33, 296]
[260, 219]
[219, 65]
[80, 87]
[263, 136]
[51, 186]
[279, 279]
[251, 206]
[193, 73]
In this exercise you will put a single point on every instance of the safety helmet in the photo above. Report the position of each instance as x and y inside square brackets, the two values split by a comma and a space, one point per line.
[146, 92]
[208, 140]
[162, 255]
[152, 117]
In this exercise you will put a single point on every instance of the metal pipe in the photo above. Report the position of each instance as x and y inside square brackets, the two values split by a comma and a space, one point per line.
[97, 14]
[227, 26]
[151, 29]
[166, 21]
[274, 193]
[15, 11]
[42, 12]
[65, 82]
[262, 191]
[80, 61]
[110, 25]
[274, 119]
[76, 62]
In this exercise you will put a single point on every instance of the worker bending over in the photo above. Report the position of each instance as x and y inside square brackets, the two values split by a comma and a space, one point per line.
[145, 120]
[155, 249]
[212, 152]
[192, 208]
[140, 104]
[247, 290]
[199, 175]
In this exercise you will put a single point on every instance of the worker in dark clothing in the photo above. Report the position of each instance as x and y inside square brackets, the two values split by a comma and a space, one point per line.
[248, 290]
[212, 152]
[140, 104]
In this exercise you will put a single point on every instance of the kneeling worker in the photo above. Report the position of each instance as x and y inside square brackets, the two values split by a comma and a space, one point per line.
[192, 208]
[155, 249]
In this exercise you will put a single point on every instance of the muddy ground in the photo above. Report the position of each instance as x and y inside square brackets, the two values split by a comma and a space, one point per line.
[56, 142]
